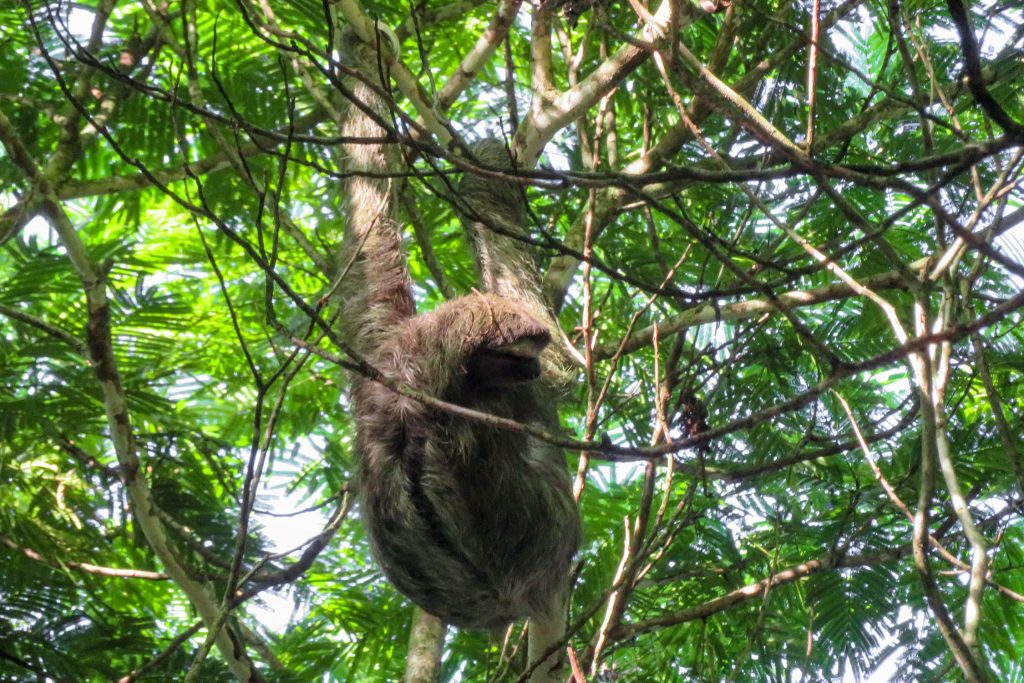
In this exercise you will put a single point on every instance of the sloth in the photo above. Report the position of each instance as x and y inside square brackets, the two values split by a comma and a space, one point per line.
[475, 524]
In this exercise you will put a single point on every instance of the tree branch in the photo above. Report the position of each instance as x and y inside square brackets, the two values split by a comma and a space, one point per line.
[85, 566]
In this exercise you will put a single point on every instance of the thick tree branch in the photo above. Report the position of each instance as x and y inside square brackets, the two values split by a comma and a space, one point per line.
[475, 60]
[545, 121]
[426, 644]
[98, 340]
[98, 335]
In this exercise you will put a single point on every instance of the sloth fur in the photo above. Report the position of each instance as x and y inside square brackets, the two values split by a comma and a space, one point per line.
[476, 525]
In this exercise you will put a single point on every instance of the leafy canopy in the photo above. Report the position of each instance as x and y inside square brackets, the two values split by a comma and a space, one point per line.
[787, 267]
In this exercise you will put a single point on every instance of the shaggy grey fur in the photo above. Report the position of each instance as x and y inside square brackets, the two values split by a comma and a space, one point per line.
[476, 525]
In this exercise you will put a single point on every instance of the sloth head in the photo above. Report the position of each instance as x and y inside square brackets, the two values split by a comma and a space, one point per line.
[478, 341]
[473, 344]
[501, 341]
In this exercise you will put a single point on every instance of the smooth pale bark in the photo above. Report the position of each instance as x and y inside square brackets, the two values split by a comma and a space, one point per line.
[426, 642]
[543, 634]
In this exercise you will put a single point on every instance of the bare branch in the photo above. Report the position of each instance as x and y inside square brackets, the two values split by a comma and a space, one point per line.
[86, 567]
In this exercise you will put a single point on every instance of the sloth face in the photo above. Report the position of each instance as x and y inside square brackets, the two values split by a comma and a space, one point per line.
[506, 364]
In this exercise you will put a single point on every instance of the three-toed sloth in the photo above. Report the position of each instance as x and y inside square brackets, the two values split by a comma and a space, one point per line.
[475, 524]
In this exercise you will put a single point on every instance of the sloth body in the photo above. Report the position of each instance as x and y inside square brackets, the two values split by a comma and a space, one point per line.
[475, 524]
